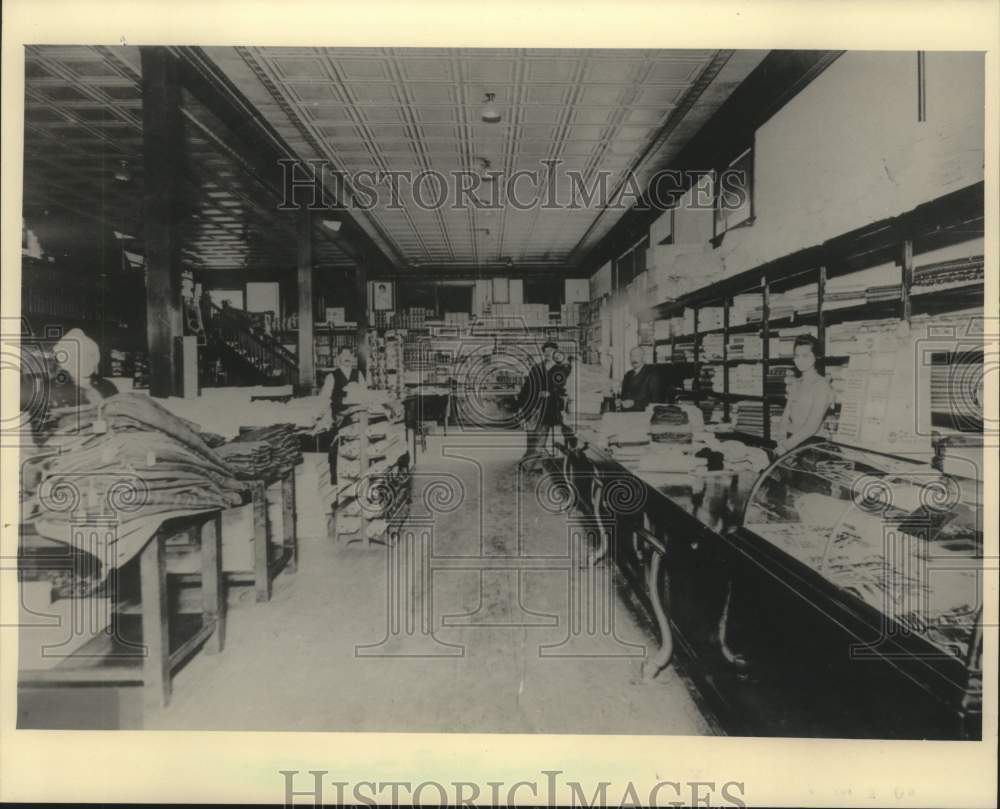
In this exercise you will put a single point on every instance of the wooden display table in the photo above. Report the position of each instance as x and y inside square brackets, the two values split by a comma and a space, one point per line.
[121, 656]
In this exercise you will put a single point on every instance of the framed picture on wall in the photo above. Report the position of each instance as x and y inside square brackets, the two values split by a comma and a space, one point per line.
[383, 296]
[501, 290]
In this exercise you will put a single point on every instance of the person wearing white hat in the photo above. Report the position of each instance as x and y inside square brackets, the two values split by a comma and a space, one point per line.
[76, 383]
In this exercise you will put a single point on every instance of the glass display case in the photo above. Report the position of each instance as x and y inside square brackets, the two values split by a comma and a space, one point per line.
[898, 535]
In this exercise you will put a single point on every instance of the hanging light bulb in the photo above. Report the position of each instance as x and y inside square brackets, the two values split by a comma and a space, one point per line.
[123, 175]
[490, 113]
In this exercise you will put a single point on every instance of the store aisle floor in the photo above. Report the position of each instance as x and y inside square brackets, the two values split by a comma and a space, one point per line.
[293, 664]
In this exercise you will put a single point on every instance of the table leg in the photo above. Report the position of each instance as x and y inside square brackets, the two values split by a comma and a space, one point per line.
[261, 555]
[447, 412]
[731, 657]
[155, 626]
[288, 521]
[597, 503]
[661, 659]
[213, 591]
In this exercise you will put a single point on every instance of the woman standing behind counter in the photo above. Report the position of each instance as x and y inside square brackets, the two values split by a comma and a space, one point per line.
[809, 398]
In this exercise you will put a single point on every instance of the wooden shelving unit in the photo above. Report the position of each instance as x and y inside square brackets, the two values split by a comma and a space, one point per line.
[951, 219]
[388, 488]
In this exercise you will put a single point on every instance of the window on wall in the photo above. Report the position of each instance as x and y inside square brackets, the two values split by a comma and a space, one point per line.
[666, 227]
[734, 195]
[632, 263]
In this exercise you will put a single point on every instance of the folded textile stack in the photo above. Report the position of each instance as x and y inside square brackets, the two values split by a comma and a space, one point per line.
[675, 423]
[684, 351]
[886, 292]
[961, 271]
[225, 411]
[133, 460]
[284, 443]
[778, 379]
[749, 418]
[625, 428]
[250, 460]
[839, 298]
[746, 347]
[711, 378]
[212, 439]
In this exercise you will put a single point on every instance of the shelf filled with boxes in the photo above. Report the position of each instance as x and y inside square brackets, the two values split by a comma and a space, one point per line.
[327, 341]
[386, 364]
[737, 336]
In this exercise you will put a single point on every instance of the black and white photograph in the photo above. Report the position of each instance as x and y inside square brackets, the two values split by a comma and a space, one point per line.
[599, 391]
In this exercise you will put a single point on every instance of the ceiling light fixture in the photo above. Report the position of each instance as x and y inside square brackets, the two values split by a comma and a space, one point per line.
[332, 225]
[123, 175]
[490, 113]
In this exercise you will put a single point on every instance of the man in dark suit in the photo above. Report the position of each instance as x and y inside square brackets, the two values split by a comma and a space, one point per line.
[542, 399]
[641, 385]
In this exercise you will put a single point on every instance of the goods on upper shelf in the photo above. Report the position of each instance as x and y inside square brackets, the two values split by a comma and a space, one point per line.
[385, 362]
[515, 315]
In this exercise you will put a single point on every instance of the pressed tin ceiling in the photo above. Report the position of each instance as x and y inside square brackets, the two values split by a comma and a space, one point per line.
[417, 110]
[390, 109]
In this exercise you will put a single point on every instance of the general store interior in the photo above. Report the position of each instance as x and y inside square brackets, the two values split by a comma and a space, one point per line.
[666, 566]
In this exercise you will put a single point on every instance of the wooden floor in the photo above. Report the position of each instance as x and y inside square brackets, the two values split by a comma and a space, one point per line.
[507, 659]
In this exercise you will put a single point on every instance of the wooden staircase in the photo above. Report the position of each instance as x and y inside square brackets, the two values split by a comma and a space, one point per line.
[246, 353]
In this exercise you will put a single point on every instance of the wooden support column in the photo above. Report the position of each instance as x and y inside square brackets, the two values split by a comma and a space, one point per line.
[162, 140]
[361, 295]
[906, 279]
[307, 368]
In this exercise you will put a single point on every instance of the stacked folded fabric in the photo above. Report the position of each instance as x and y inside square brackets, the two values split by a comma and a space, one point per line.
[683, 351]
[284, 443]
[133, 461]
[966, 270]
[777, 381]
[885, 292]
[710, 377]
[675, 424]
[749, 418]
[251, 460]
[746, 347]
